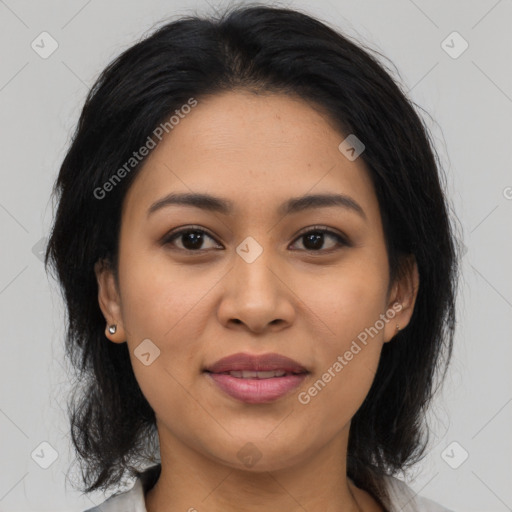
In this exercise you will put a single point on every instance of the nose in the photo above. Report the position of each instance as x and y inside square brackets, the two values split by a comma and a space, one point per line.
[257, 295]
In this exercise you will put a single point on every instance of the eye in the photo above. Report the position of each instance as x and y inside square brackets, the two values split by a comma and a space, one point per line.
[314, 239]
[192, 239]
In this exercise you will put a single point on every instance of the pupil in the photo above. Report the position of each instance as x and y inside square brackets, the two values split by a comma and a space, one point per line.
[316, 239]
[194, 237]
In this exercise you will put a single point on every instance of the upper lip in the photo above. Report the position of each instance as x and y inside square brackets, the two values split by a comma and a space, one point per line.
[262, 362]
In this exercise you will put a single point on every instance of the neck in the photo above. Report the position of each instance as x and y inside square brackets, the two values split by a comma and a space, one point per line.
[192, 481]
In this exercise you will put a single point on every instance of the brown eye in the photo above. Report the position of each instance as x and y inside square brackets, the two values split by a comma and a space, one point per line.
[192, 239]
[315, 239]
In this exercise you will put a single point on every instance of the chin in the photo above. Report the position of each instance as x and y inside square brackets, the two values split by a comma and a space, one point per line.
[261, 454]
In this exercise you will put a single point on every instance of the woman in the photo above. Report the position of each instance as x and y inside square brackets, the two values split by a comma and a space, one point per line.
[259, 271]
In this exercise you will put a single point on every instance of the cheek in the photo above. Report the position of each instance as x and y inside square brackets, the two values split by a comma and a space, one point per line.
[166, 304]
[348, 353]
[349, 305]
[348, 300]
[156, 296]
[161, 304]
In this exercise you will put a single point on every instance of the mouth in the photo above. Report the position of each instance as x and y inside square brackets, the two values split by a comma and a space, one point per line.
[259, 363]
[250, 374]
[256, 378]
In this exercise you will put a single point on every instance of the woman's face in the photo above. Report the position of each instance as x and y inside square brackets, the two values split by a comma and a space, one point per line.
[253, 278]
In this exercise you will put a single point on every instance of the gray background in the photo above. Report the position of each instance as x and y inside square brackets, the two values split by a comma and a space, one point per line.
[470, 99]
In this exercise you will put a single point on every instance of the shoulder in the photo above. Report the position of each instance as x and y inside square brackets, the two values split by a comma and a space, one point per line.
[128, 501]
[402, 498]
[132, 500]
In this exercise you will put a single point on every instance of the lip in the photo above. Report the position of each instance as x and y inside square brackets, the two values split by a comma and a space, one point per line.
[262, 362]
[254, 390]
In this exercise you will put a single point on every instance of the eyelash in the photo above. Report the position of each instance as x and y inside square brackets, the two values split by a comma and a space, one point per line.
[342, 240]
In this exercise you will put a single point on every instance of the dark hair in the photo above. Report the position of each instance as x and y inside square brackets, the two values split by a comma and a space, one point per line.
[261, 49]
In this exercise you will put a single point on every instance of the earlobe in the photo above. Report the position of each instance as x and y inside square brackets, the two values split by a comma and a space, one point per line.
[393, 321]
[109, 301]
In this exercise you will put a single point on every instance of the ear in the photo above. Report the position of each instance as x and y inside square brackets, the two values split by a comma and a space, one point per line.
[109, 300]
[402, 298]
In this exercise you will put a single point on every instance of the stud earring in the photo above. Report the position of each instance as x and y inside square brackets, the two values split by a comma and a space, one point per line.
[112, 329]
[397, 327]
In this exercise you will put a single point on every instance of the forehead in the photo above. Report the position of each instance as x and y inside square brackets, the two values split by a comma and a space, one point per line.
[254, 149]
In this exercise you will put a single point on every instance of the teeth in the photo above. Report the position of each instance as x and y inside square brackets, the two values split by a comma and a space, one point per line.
[246, 374]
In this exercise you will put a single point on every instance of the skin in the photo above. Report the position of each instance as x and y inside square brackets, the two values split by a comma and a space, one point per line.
[257, 151]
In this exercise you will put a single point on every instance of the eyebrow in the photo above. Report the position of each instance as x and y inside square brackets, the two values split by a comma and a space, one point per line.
[225, 206]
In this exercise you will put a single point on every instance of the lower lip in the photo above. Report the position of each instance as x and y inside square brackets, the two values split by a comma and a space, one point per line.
[257, 391]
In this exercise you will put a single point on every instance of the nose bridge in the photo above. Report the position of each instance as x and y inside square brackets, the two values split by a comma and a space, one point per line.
[255, 295]
[250, 250]
[253, 264]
